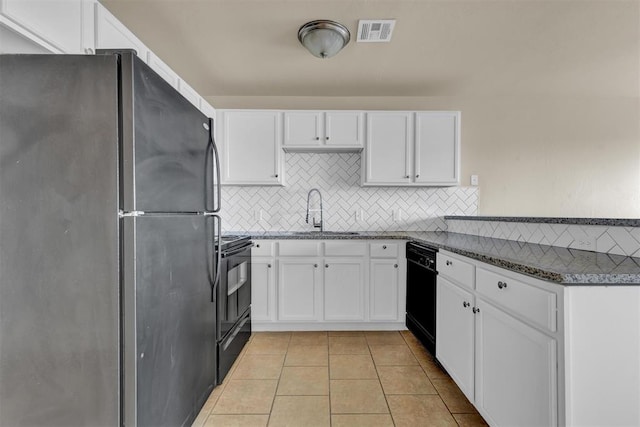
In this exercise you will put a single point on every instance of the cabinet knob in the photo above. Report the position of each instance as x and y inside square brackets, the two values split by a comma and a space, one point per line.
[317, 138]
[268, 265]
[418, 176]
[327, 138]
[384, 246]
[258, 245]
[502, 285]
[475, 310]
[315, 265]
[465, 304]
[449, 263]
[395, 265]
[326, 266]
[276, 175]
[407, 176]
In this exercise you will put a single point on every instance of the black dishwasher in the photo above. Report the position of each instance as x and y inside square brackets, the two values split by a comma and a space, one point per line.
[421, 293]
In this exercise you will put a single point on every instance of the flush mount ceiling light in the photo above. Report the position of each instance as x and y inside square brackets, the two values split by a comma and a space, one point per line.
[323, 38]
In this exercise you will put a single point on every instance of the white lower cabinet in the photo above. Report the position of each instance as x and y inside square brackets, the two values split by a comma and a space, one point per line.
[343, 289]
[299, 292]
[384, 290]
[502, 358]
[455, 334]
[263, 289]
[333, 284]
[516, 378]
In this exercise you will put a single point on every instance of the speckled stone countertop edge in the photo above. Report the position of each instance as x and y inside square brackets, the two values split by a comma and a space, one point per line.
[612, 222]
[565, 279]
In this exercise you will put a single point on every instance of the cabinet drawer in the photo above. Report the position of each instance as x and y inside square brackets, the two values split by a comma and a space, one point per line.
[342, 247]
[384, 250]
[299, 248]
[455, 269]
[262, 248]
[526, 301]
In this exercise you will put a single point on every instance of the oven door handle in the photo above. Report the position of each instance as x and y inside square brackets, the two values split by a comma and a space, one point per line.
[237, 251]
[235, 332]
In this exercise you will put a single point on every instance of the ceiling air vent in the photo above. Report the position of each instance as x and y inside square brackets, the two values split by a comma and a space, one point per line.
[375, 30]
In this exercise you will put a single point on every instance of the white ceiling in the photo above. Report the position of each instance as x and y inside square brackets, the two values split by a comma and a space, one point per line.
[439, 47]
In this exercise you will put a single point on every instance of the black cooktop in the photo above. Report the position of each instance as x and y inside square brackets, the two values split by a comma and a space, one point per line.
[228, 242]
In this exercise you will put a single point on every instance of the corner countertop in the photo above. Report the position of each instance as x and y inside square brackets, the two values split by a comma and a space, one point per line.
[564, 266]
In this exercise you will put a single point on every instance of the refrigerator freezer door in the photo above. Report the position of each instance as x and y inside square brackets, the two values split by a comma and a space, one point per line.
[166, 153]
[59, 276]
[169, 318]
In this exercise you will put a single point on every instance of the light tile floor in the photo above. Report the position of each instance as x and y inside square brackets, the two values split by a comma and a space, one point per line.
[378, 378]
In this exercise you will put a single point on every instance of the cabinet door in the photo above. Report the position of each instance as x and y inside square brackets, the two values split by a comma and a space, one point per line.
[299, 296]
[343, 128]
[303, 128]
[57, 22]
[250, 146]
[112, 34]
[516, 371]
[384, 290]
[436, 148]
[454, 334]
[344, 289]
[388, 148]
[262, 289]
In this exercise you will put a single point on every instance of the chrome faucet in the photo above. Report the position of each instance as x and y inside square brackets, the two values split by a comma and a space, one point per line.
[315, 224]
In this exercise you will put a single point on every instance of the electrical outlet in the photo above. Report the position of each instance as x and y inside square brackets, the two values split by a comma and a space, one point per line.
[396, 214]
[474, 179]
[586, 243]
[258, 215]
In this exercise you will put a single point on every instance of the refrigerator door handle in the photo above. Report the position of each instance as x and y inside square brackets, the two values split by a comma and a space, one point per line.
[216, 157]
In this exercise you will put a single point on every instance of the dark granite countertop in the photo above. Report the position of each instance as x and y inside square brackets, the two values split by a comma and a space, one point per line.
[615, 222]
[560, 265]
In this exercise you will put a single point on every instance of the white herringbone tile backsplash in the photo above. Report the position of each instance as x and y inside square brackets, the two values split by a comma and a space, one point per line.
[337, 176]
[598, 238]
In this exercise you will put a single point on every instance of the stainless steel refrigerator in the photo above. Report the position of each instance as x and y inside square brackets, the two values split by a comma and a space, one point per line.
[108, 188]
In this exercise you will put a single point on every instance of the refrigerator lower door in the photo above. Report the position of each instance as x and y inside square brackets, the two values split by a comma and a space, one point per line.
[59, 241]
[169, 318]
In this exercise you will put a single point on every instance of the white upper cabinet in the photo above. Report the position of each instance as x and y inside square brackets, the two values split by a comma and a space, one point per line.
[412, 149]
[250, 145]
[388, 148]
[162, 69]
[189, 93]
[112, 34]
[56, 25]
[436, 148]
[323, 131]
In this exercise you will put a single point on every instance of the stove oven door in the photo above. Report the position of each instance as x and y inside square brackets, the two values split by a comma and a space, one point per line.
[234, 291]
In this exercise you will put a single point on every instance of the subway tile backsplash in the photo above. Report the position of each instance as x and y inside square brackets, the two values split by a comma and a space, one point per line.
[598, 238]
[337, 176]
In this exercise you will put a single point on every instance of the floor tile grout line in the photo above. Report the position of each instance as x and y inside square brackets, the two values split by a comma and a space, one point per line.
[275, 393]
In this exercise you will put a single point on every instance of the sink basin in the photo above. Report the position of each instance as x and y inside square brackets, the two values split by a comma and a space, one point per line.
[324, 233]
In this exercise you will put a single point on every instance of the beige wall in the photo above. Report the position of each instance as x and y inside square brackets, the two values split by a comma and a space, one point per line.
[535, 156]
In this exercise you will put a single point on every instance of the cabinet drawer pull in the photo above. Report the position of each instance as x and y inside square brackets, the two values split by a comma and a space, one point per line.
[449, 263]
[475, 310]
[502, 285]
[384, 246]
[465, 304]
